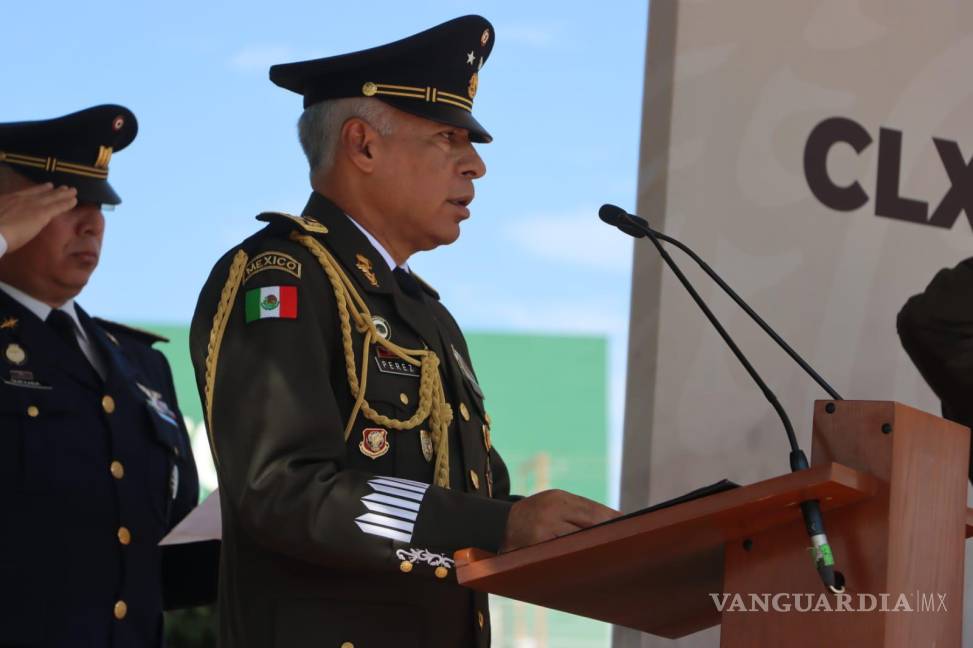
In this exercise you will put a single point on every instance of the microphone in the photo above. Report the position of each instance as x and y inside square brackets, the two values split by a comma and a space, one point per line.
[638, 227]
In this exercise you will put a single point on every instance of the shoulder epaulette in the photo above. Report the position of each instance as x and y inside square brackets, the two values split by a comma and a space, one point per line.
[306, 224]
[142, 335]
[429, 289]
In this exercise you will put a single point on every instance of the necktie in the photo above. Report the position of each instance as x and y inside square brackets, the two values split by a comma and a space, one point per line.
[407, 283]
[64, 326]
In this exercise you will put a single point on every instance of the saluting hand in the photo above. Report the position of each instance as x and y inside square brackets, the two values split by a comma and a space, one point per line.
[550, 514]
[24, 213]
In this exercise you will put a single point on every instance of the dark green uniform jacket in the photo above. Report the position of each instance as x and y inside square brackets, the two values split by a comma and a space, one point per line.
[936, 329]
[328, 540]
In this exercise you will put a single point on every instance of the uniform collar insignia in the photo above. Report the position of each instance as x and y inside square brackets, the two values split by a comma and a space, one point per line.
[364, 264]
[8, 323]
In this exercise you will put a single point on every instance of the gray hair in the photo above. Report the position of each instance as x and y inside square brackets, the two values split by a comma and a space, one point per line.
[320, 126]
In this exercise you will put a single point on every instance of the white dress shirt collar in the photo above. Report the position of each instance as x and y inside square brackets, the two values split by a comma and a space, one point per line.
[42, 310]
[378, 246]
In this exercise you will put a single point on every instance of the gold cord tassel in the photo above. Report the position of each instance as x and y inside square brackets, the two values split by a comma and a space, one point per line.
[222, 316]
[432, 397]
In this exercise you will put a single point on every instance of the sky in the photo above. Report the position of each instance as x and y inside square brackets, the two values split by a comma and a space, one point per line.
[217, 144]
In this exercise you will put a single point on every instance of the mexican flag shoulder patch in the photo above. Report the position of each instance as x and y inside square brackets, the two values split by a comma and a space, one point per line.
[271, 302]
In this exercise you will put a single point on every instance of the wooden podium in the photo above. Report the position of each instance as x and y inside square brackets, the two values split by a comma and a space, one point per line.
[892, 484]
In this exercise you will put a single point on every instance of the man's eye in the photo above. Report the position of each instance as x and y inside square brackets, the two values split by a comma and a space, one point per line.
[448, 135]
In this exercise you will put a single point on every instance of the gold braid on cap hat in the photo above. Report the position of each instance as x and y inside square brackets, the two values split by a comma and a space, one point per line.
[54, 165]
[432, 398]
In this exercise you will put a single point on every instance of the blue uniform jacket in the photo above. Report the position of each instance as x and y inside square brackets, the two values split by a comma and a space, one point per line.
[93, 473]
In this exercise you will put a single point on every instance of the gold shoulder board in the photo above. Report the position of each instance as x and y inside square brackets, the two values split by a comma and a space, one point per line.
[306, 224]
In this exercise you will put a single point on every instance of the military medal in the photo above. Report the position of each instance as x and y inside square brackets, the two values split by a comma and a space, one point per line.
[154, 400]
[425, 440]
[15, 354]
[374, 443]
[382, 327]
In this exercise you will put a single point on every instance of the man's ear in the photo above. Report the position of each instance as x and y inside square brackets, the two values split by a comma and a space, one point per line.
[357, 143]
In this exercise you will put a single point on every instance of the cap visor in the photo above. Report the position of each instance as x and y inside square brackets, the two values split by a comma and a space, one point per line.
[443, 114]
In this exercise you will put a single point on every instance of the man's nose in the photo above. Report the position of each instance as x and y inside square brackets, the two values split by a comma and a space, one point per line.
[91, 221]
[473, 165]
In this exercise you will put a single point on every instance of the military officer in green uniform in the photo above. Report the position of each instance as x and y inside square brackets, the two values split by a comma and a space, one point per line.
[349, 431]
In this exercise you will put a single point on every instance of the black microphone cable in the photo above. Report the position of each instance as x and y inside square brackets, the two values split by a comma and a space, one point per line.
[641, 226]
[811, 509]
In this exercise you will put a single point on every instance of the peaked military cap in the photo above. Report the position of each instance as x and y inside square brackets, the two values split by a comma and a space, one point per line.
[73, 150]
[433, 74]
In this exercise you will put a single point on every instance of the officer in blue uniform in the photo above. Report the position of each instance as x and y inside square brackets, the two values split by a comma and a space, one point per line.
[95, 461]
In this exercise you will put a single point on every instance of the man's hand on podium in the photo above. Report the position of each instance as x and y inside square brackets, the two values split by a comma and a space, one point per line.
[550, 514]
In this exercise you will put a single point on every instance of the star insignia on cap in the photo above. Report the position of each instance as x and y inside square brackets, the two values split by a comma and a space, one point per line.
[470, 58]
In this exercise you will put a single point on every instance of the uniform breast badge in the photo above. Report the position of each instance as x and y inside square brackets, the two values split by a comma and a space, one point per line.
[389, 363]
[382, 326]
[22, 378]
[425, 440]
[374, 443]
[365, 266]
[154, 400]
[15, 354]
[8, 323]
